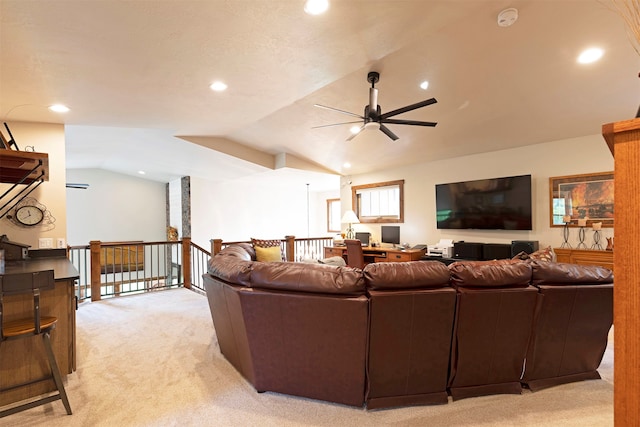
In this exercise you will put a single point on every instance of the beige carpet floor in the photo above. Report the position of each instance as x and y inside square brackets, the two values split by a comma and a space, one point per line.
[153, 360]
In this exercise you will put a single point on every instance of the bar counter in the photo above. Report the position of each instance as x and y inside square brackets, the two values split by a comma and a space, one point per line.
[24, 360]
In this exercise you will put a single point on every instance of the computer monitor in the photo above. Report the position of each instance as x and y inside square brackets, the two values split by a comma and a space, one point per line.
[390, 234]
[363, 237]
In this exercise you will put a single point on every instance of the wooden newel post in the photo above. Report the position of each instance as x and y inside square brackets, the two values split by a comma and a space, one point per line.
[94, 253]
[290, 248]
[623, 139]
[186, 261]
[216, 246]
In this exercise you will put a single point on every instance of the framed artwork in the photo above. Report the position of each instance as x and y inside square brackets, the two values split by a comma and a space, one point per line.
[586, 196]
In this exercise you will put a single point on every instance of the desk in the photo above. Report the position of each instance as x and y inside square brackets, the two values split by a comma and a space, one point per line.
[59, 302]
[378, 254]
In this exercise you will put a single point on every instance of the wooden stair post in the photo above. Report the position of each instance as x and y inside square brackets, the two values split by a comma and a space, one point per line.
[623, 139]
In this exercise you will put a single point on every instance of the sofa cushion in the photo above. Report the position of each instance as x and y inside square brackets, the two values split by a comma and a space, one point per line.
[303, 277]
[238, 251]
[267, 243]
[559, 273]
[546, 254]
[271, 254]
[230, 269]
[406, 275]
[494, 274]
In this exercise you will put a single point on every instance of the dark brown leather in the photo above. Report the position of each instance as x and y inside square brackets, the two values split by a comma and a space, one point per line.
[355, 256]
[231, 269]
[411, 319]
[306, 277]
[493, 274]
[493, 321]
[573, 319]
[558, 273]
[308, 345]
[243, 251]
[406, 275]
[313, 330]
[226, 312]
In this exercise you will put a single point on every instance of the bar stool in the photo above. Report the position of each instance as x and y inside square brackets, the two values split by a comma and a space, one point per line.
[32, 283]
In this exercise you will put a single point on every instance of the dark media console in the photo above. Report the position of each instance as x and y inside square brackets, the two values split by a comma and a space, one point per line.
[487, 251]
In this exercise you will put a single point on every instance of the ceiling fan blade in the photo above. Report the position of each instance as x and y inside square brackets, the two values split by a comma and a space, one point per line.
[373, 100]
[78, 186]
[336, 124]
[409, 108]
[388, 132]
[356, 134]
[409, 122]
[338, 111]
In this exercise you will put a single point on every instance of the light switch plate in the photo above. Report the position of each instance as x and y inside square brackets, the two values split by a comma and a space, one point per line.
[45, 243]
[61, 244]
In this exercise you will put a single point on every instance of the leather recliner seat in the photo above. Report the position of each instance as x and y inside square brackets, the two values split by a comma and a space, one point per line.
[493, 320]
[411, 308]
[573, 319]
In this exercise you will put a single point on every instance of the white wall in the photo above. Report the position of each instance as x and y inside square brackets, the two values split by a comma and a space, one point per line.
[238, 210]
[115, 207]
[587, 154]
[44, 138]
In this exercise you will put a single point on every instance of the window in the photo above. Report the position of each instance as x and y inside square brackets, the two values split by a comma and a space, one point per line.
[333, 215]
[380, 202]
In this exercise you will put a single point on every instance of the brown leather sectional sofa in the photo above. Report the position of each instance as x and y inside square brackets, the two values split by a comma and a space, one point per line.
[397, 334]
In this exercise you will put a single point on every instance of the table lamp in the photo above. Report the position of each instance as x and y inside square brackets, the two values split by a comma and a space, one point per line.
[350, 218]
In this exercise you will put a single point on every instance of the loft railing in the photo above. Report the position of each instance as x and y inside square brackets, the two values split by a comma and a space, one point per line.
[292, 248]
[109, 269]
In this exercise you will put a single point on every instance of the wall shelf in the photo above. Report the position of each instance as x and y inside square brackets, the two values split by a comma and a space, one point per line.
[24, 170]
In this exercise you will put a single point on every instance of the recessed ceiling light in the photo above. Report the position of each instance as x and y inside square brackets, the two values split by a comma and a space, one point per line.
[590, 55]
[141, 172]
[346, 165]
[59, 108]
[218, 86]
[424, 85]
[316, 7]
[354, 129]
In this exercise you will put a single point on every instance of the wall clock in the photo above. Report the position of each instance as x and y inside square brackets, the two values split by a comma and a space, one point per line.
[29, 215]
[28, 212]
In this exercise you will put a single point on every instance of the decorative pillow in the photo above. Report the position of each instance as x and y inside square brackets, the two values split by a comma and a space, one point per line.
[264, 243]
[270, 254]
[546, 254]
[522, 255]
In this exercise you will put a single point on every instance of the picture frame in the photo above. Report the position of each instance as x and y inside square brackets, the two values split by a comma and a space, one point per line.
[581, 196]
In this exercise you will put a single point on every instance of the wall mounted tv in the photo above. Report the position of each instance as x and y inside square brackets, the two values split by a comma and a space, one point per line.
[485, 204]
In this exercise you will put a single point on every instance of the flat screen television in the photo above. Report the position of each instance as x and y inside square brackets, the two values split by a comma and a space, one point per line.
[390, 234]
[485, 204]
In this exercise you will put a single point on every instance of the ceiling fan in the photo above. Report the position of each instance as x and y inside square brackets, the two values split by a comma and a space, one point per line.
[373, 116]
[77, 186]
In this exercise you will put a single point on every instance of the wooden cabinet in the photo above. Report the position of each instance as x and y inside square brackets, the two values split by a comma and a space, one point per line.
[24, 360]
[331, 251]
[378, 254]
[585, 257]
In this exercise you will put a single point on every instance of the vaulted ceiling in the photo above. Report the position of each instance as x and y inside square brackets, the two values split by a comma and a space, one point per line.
[136, 76]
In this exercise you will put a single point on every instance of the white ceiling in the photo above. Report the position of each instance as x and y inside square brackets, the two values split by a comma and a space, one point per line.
[136, 74]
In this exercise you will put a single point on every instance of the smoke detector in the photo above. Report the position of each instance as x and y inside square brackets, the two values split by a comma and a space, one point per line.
[507, 17]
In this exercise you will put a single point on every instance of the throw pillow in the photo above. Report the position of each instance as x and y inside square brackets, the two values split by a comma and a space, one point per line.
[546, 254]
[522, 255]
[270, 254]
[264, 243]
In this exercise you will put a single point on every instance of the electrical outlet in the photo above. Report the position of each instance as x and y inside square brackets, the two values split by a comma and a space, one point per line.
[45, 243]
[61, 244]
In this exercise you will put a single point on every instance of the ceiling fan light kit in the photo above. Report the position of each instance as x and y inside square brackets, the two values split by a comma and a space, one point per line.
[373, 117]
[507, 17]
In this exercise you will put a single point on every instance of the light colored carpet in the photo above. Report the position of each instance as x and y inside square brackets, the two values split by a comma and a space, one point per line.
[153, 360]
